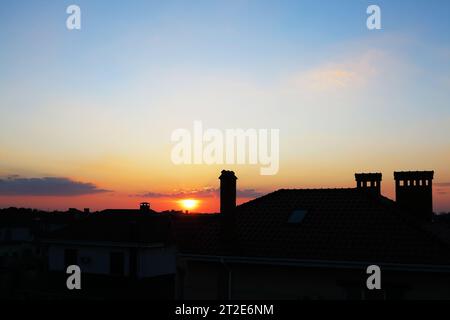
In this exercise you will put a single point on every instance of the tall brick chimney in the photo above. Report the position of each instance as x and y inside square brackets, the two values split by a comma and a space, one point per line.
[227, 191]
[227, 211]
[414, 192]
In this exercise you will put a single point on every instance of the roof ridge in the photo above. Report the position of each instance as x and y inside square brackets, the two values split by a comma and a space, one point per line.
[242, 205]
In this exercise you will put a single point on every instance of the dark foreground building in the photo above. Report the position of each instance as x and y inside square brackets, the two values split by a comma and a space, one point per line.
[288, 244]
[316, 244]
[23, 262]
[126, 254]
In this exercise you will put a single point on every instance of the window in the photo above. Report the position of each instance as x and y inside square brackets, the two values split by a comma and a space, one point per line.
[297, 216]
[117, 263]
[70, 257]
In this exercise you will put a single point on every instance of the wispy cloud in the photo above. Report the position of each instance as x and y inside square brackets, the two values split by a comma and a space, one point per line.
[201, 193]
[443, 184]
[14, 185]
[205, 192]
[442, 187]
[349, 72]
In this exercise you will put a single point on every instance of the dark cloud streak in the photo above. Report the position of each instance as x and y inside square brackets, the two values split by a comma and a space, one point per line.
[47, 186]
[442, 184]
[207, 192]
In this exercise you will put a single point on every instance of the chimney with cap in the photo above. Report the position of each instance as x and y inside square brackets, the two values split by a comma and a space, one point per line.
[369, 182]
[227, 191]
[227, 210]
[144, 207]
[414, 192]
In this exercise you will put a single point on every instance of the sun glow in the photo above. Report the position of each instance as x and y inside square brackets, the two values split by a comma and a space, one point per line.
[189, 204]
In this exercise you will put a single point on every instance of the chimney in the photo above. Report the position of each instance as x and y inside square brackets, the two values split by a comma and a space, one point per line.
[227, 191]
[227, 215]
[144, 207]
[369, 181]
[414, 192]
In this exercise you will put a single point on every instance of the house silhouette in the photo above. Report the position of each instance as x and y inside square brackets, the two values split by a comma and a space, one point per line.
[288, 244]
[316, 243]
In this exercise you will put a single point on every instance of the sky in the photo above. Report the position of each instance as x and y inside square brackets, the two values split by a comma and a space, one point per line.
[87, 115]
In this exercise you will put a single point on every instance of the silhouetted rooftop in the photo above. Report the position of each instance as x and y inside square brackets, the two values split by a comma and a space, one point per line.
[336, 225]
[123, 226]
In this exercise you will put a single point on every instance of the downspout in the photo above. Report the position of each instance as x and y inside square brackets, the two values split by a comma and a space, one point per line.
[229, 277]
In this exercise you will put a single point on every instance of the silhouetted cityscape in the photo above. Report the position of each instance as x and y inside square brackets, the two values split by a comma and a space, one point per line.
[287, 244]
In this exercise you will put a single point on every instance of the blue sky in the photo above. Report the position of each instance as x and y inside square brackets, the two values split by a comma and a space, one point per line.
[213, 33]
[345, 98]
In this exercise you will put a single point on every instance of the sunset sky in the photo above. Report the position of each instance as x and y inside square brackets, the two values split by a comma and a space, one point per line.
[86, 116]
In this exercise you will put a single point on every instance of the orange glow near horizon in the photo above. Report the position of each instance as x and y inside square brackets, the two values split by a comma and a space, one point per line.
[195, 190]
[99, 202]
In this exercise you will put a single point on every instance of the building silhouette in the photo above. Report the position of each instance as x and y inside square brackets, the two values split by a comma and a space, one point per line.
[316, 244]
[287, 244]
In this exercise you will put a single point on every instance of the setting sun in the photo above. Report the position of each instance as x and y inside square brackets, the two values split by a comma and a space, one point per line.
[189, 204]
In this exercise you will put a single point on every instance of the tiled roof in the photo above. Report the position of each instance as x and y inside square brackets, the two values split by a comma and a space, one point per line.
[339, 225]
[197, 233]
